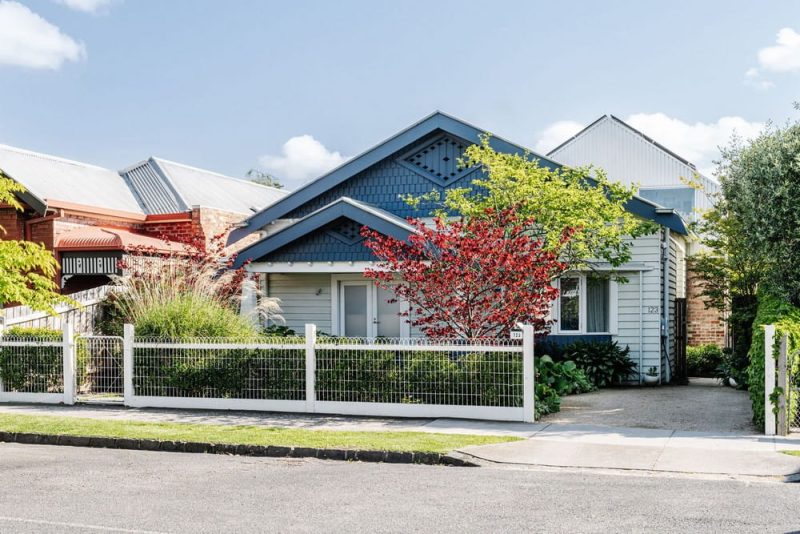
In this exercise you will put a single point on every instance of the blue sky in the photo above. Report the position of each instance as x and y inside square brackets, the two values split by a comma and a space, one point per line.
[297, 86]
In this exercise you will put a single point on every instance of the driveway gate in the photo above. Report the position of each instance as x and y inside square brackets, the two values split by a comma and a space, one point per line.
[99, 369]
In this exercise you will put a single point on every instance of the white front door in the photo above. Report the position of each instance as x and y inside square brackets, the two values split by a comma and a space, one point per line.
[355, 316]
[365, 310]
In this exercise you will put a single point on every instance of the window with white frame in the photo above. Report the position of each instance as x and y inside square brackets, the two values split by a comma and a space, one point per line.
[586, 304]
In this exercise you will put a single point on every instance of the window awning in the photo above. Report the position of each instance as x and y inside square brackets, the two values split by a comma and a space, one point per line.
[101, 238]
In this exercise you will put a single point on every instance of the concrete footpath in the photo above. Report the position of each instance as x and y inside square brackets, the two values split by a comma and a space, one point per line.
[643, 449]
[543, 444]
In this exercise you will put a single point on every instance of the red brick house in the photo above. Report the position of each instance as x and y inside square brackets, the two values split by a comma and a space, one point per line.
[89, 216]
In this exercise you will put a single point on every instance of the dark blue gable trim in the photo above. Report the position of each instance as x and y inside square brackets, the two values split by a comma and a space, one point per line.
[436, 122]
[378, 220]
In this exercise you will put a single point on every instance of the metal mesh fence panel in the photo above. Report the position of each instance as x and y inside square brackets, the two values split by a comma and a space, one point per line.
[480, 372]
[32, 364]
[99, 368]
[220, 368]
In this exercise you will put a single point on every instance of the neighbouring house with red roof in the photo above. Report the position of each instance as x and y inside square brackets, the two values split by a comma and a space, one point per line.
[89, 216]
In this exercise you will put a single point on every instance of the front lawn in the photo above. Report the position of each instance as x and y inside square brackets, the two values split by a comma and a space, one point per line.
[245, 435]
[791, 453]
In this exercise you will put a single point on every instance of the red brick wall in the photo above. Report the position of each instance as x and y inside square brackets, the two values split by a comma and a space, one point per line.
[182, 231]
[705, 325]
[12, 222]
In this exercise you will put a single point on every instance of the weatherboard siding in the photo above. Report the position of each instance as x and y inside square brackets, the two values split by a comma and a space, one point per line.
[304, 298]
[631, 158]
[646, 250]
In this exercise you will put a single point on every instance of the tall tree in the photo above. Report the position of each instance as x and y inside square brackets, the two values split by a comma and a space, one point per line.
[761, 187]
[27, 270]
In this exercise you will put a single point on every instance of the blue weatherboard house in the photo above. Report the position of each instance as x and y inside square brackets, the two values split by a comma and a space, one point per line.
[310, 253]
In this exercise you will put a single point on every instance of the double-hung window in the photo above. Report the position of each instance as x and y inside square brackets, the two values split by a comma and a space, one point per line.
[586, 304]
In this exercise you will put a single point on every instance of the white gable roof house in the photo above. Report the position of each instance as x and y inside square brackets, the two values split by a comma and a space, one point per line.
[631, 157]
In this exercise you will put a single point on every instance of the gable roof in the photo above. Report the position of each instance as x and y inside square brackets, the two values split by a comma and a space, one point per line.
[366, 215]
[163, 186]
[52, 178]
[153, 186]
[617, 121]
[431, 123]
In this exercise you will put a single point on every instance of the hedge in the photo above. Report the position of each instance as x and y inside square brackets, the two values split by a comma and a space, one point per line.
[34, 369]
[771, 310]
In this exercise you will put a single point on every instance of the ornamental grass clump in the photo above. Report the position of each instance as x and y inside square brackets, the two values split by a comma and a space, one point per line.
[189, 292]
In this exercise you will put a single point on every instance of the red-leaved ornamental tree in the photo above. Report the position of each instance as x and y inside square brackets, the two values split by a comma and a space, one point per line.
[470, 278]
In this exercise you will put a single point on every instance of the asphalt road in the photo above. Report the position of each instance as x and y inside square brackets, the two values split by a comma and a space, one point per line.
[64, 489]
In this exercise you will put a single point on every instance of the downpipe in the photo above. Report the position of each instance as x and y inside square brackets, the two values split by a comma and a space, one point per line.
[665, 340]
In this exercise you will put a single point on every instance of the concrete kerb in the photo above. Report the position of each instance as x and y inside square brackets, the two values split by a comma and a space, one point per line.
[273, 451]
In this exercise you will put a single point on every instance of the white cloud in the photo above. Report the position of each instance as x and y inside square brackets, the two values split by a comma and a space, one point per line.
[302, 157]
[555, 134]
[697, 142]
[28, 40]
[785, 55]
[753, 78]
[87, 6]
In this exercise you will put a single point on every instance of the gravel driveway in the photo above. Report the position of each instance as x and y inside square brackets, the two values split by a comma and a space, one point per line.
[703, 405]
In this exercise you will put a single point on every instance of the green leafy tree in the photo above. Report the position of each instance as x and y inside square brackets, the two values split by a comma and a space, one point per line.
[761, 189]
[262, 178]
[582, 199]
[27, 270]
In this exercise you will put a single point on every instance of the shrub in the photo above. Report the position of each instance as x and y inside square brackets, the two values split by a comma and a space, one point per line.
[605, 363]
[703, 360]
[771, 310]
[190, 316]
[554, 380]
[32, 369]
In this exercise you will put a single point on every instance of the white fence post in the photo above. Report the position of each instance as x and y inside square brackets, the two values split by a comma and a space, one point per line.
[68, 339]
[528, 375]
[769, 379]
[311, 366]
[127, 364]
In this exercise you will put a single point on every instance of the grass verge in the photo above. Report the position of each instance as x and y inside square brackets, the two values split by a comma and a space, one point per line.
[791, 453]
[245, 435]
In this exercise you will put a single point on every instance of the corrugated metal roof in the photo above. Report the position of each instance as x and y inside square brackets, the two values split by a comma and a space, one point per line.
[199, 187]
[53, 178]
[152, 189]
[97, 237]
[154, 186]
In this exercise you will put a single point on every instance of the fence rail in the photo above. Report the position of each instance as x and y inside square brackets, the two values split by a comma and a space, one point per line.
[477, 379]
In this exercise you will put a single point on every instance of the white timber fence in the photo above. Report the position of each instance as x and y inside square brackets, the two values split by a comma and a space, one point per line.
[82, 317]
[417, 377]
